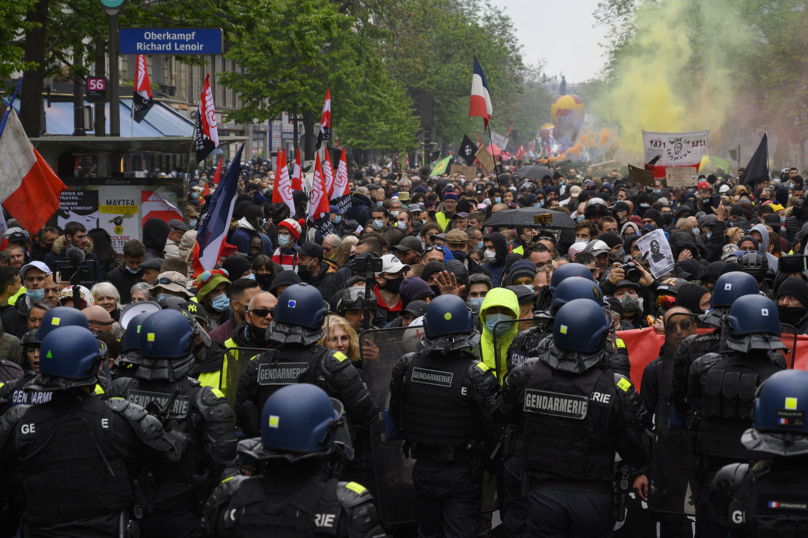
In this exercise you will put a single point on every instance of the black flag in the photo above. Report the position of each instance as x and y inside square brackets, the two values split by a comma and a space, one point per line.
[467, 150]
[758, 168]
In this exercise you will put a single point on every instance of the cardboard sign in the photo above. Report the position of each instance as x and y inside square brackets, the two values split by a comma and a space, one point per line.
[486, 160]
[641, 176]
[469, 172]
[680, 176]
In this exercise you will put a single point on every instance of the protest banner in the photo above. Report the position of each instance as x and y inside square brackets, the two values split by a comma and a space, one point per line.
[673, 149]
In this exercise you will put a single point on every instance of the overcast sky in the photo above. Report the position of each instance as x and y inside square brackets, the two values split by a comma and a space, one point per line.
[561, 33]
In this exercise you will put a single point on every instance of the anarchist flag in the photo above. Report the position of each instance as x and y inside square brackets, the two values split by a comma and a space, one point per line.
[207, 135]
[467, 150]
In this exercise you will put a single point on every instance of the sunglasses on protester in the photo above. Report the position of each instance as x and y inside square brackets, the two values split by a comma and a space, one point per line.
[683, 325]
[262, 312]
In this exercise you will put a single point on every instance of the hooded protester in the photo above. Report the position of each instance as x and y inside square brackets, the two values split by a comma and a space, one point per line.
[629, 226]
[248, 225]
[792, 303]
[499, 304]
[763, 242]
[361, 206]
[260, 244]
[694, 297]
[496, 256]
[155, 235]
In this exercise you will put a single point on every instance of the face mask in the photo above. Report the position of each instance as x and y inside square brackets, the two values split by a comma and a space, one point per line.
[435, 289]
[249, 277]
[304, 272]
[709, 235]
[498, 200]
[490, 256]
[378, 224]
[392, 285]
[618, 255]
[162, 296]
[401, 225]
[192, 223]
[337, 219]
[631, 304]
[697, 231]
[263, 279]
[424, 221]
[459, 255]
[644, 206]
[667, 218]
[657, 191]
[531, 287]
[133, 271]
[36, 295]
[379, 203]
[477, 301]
[194, 195]
[220, 303]
[492, 319]
[730, 224]
[284, 240]
[790, 314]
[481, 245]
[579, 218]
[394, 214]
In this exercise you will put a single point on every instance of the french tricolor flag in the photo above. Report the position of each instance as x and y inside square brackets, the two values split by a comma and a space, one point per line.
[213, 230]
[774, 504]
[29, 188]
[480, 99]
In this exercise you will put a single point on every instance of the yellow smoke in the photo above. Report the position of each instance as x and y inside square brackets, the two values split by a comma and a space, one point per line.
[676, 75]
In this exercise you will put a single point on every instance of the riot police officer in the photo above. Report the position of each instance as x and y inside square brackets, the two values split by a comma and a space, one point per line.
[127, 362]
[442, 399]
[529, 343]
[295, 358]
[161, 383]
[301, 427]
[728, 288]
[721, 388]
[79, 458]
[577, 413]
[769, 497]
[17, 392]
[568, 270]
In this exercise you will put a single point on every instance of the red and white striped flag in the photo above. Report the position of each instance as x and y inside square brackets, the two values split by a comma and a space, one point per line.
[328, 173]
[283, 185]
[297, 175]
[341, 179]
[142, 96]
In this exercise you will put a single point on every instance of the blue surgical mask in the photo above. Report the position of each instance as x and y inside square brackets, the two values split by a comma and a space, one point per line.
[645, 206]
[284, 240]
[657, 191]
[498, 200]
[379, 203]
[697, 231]
[401, 225]
[194, 195]
[477, 301]
[480, 245]
[192, 223]
[493, 319]
[162, 296]
[579, 218]
[540, 203]
[251, 276]
[709, 235]
[220, 303]
[337, 219]
[782, 220]
[36, 295]
[133, 271]
[531, 287]
[378, 224]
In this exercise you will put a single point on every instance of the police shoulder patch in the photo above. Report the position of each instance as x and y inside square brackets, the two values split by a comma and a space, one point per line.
[340, 356]
[623, 384]
[482, 366]
[620, 343]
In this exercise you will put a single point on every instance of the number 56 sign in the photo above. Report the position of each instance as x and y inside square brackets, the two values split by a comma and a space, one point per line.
[96, 89]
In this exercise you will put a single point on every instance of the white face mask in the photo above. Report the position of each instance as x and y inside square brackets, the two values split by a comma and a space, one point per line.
[490, 256]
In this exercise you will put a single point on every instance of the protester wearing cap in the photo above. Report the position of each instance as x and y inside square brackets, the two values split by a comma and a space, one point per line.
[461, 220]
[388, 287]
[409, 250]
[33, 276]
[526, 298]
[170, 283]
[99, 319]
[285, 255]
[238, 267]
[85, 297]
[315, 270]
[151, 269]
[630, 296]
[522, 273]
[413, 311]
[415, 289]
[444, 216]
[211, 292]
[283, 280]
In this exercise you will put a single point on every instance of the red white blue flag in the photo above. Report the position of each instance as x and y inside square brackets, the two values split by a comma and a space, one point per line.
[480, 99]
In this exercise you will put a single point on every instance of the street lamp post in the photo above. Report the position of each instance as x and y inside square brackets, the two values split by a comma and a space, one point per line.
[113, 9]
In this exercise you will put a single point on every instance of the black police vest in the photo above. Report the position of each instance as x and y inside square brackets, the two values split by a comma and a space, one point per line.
[568, 432]
[728, 401]
[278, 368]
[440, 410]
[525, 344]
[175, 480]
[286, 508]
[68, 464]
[22, 396]
[772, 500]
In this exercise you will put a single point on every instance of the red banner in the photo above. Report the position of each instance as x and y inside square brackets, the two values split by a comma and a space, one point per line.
[643, 347]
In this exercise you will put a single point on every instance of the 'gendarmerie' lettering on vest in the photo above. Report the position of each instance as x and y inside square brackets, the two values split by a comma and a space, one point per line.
[556, 404]
[34, 397]
[179, 408]
[432, 377]
[284, 373]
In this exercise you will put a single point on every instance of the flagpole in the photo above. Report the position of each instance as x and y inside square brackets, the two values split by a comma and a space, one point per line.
[496, 173]
[132, 122]
[190, 151]
[10, 107]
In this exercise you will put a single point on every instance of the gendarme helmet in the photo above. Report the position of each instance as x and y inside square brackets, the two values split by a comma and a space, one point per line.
[569, 270]
[581, 325]
[131, 339]
[70, 353]
[575, 288]
[301, 419]
[167, 334]
[447, 315]
[300, 305]
[61, 316]
[779, 419]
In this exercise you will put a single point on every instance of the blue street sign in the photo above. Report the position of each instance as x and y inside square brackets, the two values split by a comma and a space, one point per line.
[171, 41]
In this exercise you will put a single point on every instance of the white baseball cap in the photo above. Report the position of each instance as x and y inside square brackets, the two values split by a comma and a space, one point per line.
[392, 265]
[35, 265]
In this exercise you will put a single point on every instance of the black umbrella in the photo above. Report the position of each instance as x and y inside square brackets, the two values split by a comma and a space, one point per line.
[523, 218]
[533, 171]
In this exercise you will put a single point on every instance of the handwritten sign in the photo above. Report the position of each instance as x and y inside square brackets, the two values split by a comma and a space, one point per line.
[468, 172]
[683, 176]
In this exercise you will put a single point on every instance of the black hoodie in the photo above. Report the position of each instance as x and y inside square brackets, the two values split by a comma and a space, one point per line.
[498, 267]
[155, 235]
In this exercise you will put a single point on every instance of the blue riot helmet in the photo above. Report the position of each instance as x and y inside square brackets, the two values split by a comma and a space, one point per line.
[728, 288]
[167, 334]
[301, 421]
[569, 270]
[447, 315]
[575, 288]
[72, 355]
[581, 326]
[131, 339]
[61, 316]
[753, 324]
[298, 316]
[779, 423]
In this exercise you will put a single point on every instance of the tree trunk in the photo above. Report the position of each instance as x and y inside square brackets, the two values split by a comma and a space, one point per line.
[31, 91]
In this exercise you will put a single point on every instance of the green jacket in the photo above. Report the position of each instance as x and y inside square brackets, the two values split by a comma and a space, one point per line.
[505, 298]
